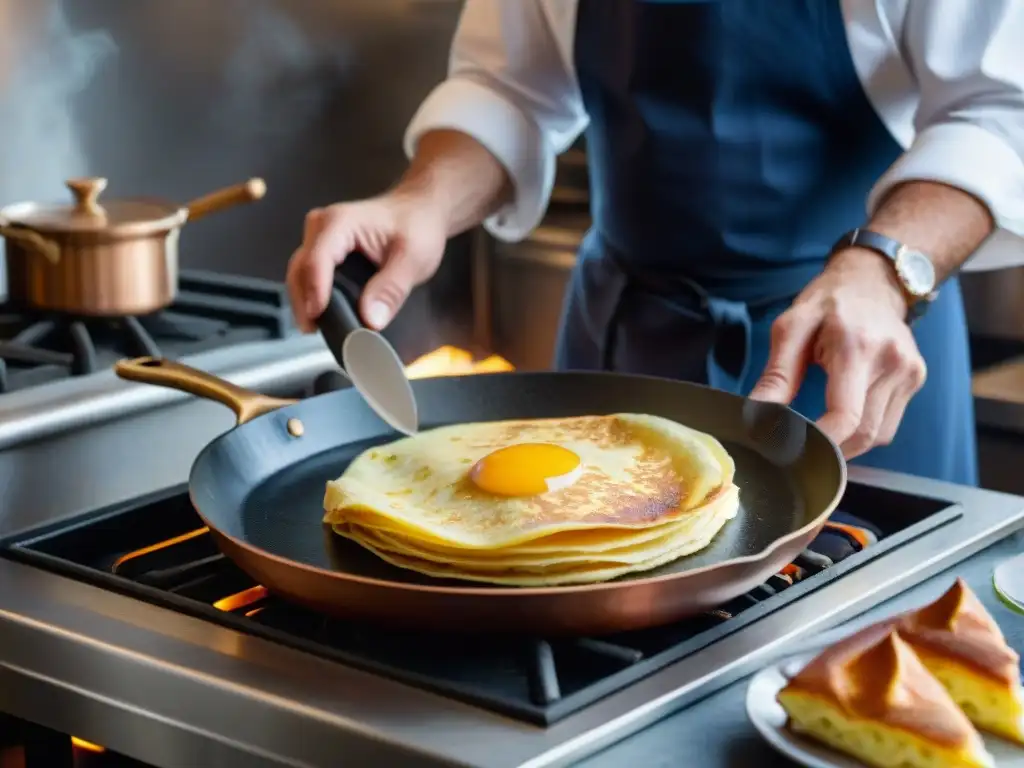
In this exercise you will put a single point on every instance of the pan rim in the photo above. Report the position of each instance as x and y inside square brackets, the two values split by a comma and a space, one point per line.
[503, 592]
[480, 591]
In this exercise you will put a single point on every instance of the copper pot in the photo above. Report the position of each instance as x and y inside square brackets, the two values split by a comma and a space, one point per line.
[111, 259]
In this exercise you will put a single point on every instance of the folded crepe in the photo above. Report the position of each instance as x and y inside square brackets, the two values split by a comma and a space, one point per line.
[870, 697]
[538, 502]
[960, 643]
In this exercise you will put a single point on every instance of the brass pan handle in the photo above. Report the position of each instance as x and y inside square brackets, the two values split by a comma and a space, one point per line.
[32, 240]
[246, 192]
[161, 372]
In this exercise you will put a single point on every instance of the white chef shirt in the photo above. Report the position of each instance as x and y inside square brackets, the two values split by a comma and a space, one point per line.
[945, 76]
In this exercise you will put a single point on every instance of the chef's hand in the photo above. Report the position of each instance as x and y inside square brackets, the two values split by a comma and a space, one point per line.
[851, 320]
[403, 236]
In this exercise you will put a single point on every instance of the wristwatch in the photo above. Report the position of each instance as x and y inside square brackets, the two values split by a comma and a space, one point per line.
[914, 270]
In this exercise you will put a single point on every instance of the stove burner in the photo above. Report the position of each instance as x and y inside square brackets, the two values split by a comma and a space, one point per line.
[156, 549]
[211, 311]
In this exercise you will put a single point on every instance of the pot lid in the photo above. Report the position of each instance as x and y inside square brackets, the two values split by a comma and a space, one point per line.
[88, 214]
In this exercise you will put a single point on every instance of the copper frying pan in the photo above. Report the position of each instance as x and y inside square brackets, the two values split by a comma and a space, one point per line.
[259, 488]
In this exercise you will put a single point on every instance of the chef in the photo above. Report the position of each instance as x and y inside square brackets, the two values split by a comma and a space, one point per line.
[783, 192]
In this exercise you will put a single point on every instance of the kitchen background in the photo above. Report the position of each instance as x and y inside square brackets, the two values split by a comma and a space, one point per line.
[172, 100]
[175, 99]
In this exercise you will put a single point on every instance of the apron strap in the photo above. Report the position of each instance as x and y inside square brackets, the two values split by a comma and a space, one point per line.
[619, 318]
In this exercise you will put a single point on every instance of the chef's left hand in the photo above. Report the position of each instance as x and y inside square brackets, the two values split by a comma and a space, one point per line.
[851, 320]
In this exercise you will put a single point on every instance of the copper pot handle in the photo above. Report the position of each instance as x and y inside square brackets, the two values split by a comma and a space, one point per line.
[161, 372]
[32, 240]
[246, 192]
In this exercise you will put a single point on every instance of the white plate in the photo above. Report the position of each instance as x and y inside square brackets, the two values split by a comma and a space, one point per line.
[1008, 579]
[769, 718]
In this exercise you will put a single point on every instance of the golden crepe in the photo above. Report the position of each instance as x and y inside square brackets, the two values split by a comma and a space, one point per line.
[872, 698]
[538, 502]
[960, 642]
[556, 567]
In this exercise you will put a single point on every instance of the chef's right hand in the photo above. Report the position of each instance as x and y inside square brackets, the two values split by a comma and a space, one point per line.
[403, 236]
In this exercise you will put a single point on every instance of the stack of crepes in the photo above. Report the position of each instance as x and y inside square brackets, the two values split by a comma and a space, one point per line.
[905, 692]
[538, 502]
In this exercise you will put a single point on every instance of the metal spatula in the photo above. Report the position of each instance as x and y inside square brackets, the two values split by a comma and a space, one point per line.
[369, 360]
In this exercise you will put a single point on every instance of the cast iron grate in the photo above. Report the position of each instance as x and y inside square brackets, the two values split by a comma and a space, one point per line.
[156, 549]
[210, 311]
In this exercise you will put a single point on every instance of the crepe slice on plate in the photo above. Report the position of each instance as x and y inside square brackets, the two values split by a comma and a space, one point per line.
[960, 642]
[872, 698]
[537, 502]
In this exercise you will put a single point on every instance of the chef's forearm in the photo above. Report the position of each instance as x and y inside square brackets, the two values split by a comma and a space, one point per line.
[454, 174]
[946, 223]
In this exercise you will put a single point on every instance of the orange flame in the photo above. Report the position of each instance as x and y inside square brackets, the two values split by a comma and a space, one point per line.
[87, 746]
[241, 599]
[157, 547]
[452, 361]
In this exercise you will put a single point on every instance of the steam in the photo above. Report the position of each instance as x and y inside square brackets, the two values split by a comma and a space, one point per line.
[50, 65]
[273, 82]
[204, 94]
[46, 67]
[274, 77]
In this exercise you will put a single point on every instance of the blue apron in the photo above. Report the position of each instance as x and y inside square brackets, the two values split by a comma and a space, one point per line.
[730, 145]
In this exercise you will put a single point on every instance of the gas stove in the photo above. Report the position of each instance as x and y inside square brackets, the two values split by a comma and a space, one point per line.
[157, 549]
[56, 370]
[134, 606]
[211, 311]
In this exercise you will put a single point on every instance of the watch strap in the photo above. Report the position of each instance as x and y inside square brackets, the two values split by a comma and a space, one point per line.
[865, 238]
[890, 248]
[917, 309]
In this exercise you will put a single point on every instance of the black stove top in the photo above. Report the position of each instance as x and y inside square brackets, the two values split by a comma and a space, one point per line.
[211, 310]
[156, 549]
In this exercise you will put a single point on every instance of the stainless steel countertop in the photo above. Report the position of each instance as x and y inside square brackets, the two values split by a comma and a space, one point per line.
[73, 403]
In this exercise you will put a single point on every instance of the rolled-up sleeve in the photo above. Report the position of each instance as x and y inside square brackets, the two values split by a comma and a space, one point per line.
[968, 59]
[511, 87]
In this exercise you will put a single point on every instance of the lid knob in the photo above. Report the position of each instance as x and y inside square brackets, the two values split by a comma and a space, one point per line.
[87, 192]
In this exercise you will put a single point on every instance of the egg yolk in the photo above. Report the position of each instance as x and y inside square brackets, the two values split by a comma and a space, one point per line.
[526, 469]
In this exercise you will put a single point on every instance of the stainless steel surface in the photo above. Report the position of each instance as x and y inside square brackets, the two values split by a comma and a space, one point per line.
[526, 285]
[999, 396]
[999, 412]
[481, 247]
[518, 288]
[177, 692]
[572, 178]
[994, 302]
[71, 404]
[377, 371]
[168, 99]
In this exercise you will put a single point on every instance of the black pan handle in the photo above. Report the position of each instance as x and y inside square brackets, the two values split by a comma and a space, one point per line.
[341, 317]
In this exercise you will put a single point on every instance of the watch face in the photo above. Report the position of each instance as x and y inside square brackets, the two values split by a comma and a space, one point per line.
[917, 272]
